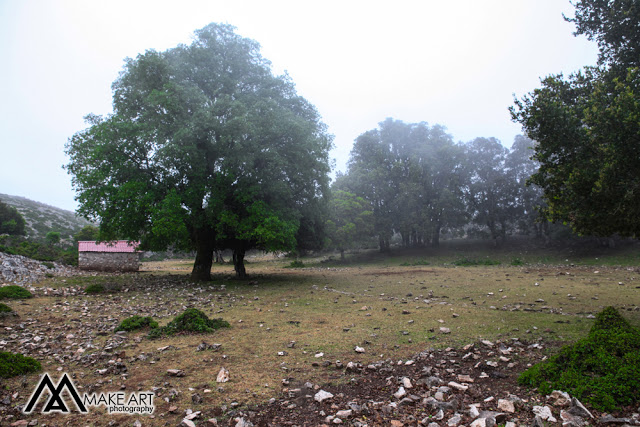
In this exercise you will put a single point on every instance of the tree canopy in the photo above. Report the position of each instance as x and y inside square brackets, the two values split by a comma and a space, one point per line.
[587, 127]
[11, 222]
[206, 149]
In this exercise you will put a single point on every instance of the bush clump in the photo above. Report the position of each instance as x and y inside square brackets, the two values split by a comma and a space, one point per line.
[12, 364]
[100, 288]
[191, 320]
[295, 264]
[136, 322]
[469, 262]
[14, 292]
[5, 310]
[602, 369]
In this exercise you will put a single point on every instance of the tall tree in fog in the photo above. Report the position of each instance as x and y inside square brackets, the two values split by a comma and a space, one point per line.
[520, 167]
[206, 149]
[413, 176]
[491, 192]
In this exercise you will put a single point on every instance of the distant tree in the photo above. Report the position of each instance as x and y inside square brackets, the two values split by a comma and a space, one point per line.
[206, 149]
[520, 167]
[350, 221]
[88, 232]
[52, 238]
[587, 127]
[491, 192]
[11, 221]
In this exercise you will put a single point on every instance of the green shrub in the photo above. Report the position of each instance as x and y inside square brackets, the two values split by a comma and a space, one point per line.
[5, 310]
[468, 262]
[14, 292]
[295, 264]
[415, 263]
[136, 322]
[191, 320]
[95, 288]
[101, 288]
[517, 261]
[12, 365]
[48, 264]
[602, 369]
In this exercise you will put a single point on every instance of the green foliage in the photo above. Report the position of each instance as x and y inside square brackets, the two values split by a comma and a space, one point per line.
[295, 264]
[415, 263]
[39, 251]
[101, 288]
[11, 221]
[12, 365]
[517, 261]
[587, 126]
[52, 238]
[350, 221]
[14, 292]
[602, 369]
[87, 233]
[136, 322]
[206, 149]
[470, 262]
[191, 320]
[5, 310]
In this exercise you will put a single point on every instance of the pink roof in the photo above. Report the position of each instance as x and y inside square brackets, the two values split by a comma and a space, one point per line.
[115, 246]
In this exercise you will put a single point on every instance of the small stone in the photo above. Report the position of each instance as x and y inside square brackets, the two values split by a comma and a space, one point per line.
[175, 372]
[569, 420]
[359, 349]
[187, 423]
[223, 375]
[400, 393]
[465, 378]
[559, 398]
[444, 330]
[406, 382]
[544, 412]
[480, 422]
[322, 396]
[344, 414]
[506, 406]
[457, 386]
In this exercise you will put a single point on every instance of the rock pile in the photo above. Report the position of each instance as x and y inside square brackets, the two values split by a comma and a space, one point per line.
[474, 386]
[21, 270]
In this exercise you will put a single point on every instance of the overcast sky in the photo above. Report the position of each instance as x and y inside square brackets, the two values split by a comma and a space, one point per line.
[456, 63]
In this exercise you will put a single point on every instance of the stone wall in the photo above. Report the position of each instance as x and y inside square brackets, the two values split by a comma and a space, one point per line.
[109, 261]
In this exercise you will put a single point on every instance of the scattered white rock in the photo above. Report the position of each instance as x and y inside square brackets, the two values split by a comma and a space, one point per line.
[322, 395]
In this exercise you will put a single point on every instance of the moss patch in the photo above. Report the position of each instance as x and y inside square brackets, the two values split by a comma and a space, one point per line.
[14, 292]
[136, 322]
[602, 369]
[191, 320]
[12, 365]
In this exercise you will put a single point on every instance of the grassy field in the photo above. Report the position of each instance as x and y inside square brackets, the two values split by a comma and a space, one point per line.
[392, 306]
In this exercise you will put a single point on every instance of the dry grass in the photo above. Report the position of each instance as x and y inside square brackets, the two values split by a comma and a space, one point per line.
[391, 311]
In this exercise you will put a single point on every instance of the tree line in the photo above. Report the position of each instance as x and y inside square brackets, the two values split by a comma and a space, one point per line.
[207, 150]
[412, 179]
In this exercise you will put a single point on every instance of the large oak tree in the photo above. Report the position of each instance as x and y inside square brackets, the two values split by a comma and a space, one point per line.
[205, 149]
[587, 127]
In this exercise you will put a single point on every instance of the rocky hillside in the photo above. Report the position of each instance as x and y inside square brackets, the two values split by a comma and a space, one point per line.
[41, 218]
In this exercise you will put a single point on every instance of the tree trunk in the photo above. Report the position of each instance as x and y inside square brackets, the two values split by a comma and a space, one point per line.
[341, 254]
[204, 257]
[238, 263]
[435, 239]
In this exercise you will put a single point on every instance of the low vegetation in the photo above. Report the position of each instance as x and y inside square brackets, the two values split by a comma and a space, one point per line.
[102, 288]
[14, 292]
[136, 322]
[5, 310]
[602, 369]
[191, 320]
[12, 365]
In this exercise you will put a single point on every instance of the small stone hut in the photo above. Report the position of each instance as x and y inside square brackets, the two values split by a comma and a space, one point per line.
[118, 255]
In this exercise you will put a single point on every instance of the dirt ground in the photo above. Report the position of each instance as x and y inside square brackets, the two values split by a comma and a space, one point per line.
[294, 331]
